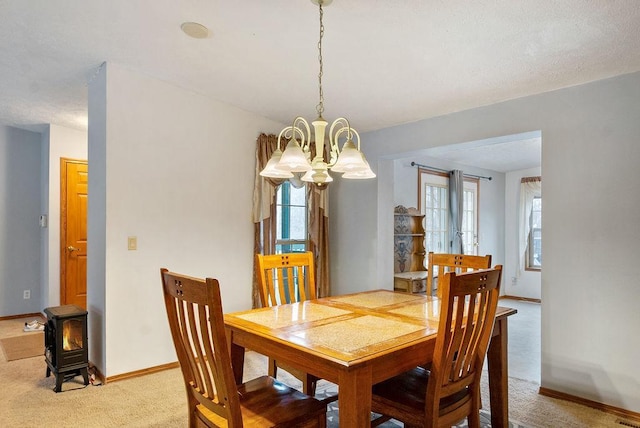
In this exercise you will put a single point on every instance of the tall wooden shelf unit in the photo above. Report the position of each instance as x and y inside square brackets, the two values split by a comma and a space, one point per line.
[410, 273]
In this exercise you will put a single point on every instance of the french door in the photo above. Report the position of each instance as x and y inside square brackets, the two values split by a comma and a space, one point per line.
[434, 204]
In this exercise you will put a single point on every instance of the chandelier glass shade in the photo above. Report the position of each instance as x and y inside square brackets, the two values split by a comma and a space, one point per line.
[296, 159]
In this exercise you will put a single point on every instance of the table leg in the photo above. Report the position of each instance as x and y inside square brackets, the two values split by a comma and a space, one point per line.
[237, 358]
[354, 397]
[498, 375]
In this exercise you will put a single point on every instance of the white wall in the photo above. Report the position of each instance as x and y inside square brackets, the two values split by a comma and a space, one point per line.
[97, 223]
[525, 283]
[57, 142]
[405, 183]
[19, 213]
[176, 170]
[589, 162]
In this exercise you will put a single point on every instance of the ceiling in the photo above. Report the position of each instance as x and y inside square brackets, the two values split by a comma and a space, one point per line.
[502, 154]
[385, 62]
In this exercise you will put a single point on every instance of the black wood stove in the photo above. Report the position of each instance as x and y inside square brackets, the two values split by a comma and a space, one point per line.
[65, 342]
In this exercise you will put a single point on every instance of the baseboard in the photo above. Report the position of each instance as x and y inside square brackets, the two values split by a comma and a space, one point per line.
[524, 299]
[623, 413]
[139, 373]
[12, 317]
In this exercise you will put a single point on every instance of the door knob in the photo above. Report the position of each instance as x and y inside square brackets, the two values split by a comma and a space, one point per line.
[72, 248]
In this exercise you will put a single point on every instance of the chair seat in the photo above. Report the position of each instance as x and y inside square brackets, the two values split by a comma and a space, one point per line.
[266, 402]
[412, 387]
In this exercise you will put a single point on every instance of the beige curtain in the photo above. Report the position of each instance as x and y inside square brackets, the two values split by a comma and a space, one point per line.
[319, 235]
[530, 187]
[264, 207]
[264, 218]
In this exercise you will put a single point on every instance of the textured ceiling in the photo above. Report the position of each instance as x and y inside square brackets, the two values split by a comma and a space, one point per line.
[385, 62]
[502, 154]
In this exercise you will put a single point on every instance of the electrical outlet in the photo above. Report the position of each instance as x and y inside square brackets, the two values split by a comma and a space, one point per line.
[26, 294]
[514, 280]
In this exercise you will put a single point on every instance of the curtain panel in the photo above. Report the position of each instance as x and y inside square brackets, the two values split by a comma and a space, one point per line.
[264, 207]
[456, 199]
[530, 188]
[318, 206]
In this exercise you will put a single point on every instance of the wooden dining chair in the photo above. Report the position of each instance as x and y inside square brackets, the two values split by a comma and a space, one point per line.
[287, 278]
[450, 390]
[440, 263]
[194, 310]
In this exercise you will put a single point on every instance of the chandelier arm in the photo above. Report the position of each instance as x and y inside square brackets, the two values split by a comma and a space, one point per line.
[283, 132]
[354, 132]
[350, 133]
[334, 149]
[305, 139]
[341, 121]
[346, 127]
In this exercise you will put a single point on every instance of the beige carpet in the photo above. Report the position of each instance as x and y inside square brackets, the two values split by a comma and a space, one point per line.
[25, 346]
[159, 400]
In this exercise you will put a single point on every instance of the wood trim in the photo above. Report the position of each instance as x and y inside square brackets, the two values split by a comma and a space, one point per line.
[63, 224]
[530, 179]
[524, 299]
[628, 414]
[138, 373]
[477, 237]
[12, 317]
[426, 171]
[63, 228]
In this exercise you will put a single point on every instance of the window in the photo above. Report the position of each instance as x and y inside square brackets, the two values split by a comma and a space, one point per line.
[470, 217]
[434, 203]
[291, 218]
[436, 211]
[534, 249]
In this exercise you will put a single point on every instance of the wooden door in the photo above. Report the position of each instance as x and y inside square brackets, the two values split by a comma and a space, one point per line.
[73, 232]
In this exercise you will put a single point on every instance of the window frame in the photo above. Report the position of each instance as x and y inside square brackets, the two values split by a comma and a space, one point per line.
[286, 244]
[438, 180]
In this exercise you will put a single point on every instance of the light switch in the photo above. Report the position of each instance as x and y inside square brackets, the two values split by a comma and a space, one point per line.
[132, 243]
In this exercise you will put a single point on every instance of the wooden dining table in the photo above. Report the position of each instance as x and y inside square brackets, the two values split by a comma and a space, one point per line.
[357, 340]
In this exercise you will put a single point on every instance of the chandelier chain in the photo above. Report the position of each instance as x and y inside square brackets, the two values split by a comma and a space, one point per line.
[320, 106]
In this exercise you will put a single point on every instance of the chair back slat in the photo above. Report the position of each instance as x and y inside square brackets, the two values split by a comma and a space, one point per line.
[438, 264]
[194, 310]
[285, 278]
[468, 309]
[270, 292]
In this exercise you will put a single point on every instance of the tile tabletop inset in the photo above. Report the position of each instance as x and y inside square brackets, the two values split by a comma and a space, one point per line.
[429, 310]
[376, 299]
[287, 315]
[350, 335]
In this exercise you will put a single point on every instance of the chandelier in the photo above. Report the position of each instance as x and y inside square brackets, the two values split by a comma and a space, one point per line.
[296, 158]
